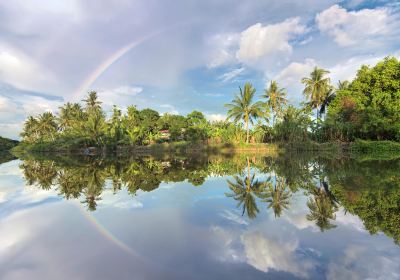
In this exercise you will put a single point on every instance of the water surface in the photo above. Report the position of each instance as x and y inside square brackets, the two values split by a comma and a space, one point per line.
[242, 217]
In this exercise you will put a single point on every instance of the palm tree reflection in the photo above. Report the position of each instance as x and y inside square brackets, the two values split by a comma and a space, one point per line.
[278, 196]
[245, 190]
[322, 209]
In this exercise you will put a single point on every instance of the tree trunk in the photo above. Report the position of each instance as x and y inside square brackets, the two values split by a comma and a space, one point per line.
[247, 130]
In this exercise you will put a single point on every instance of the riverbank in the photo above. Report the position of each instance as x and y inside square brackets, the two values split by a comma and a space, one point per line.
[375, 149]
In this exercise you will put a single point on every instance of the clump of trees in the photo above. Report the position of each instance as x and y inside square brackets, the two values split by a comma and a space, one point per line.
[82, 126]
[366, 108]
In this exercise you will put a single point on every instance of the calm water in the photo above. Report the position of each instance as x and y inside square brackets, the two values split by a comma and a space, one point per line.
[287, 217]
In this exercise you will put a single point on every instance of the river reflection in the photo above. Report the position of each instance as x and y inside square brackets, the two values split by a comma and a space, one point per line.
[204, 217]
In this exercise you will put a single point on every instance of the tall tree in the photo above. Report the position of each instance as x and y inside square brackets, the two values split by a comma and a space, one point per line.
[276, 100]
[242, 107]
[47, 125]
[316, 88]
[92, 102]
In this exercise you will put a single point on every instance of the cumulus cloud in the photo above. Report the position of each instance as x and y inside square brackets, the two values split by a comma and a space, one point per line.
[215, 117]
[290, 77]
[223, 48]
[265, 254]
[120, 96]
[355, 263]
[357, 27]
[258, 40]
[121, 200]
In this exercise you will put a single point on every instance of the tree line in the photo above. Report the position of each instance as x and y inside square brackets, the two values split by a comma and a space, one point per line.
[368, 107]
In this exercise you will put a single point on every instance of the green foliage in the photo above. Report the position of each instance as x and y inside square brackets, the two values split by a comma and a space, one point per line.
[369, 107]
[294, 125]
[7, 144]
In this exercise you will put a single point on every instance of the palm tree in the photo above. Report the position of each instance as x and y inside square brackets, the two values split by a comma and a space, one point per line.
[92, 104]
[330, 96]
[316, 88]
[276, 100]
[278, 196]
[30, 131]
[69, 115]
[243, 107]
[245, 192]
[47, 124]
[343, 85]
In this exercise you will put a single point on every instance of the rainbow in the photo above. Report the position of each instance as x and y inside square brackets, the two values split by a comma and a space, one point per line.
[104, 232]
[85, 85]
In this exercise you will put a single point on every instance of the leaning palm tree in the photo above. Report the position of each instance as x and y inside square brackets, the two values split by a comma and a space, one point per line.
[276, 100]
[316, 88]
[243, 107]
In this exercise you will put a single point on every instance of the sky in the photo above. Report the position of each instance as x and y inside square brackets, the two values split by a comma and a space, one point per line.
[182, 55]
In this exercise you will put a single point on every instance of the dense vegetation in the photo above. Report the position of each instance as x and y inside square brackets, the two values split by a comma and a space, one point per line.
[366, 108]
[7, 144]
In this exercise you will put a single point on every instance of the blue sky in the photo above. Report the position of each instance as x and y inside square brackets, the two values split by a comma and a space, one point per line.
[182, 55]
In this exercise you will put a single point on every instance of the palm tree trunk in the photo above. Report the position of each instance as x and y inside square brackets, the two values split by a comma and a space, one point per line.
[247, 130]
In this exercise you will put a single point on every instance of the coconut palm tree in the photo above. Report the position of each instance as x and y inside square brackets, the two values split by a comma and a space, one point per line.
[243, 107]
[316, 88]
[30, 131]
[276, 100]
[69, 115]
[47, 124]
[329, 97]
[92, 103]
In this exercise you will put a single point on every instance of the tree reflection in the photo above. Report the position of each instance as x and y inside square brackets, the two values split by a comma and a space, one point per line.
[363, 188]
[322, 209]
[245, 190]
[278, 196]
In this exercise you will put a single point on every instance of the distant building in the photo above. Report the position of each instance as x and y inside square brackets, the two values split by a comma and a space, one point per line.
[164, 134]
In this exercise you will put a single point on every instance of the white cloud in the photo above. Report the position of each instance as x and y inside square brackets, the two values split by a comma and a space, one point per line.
[121, 200]
[295, 71]
[215, 117]
[290, 77]
[356, 264]
[121, 96]
[265, 254]
[231, 75]
[357, 27]
[347, 70]
[223, 47]
[170, 109]
[258, 40]
[23, 72]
